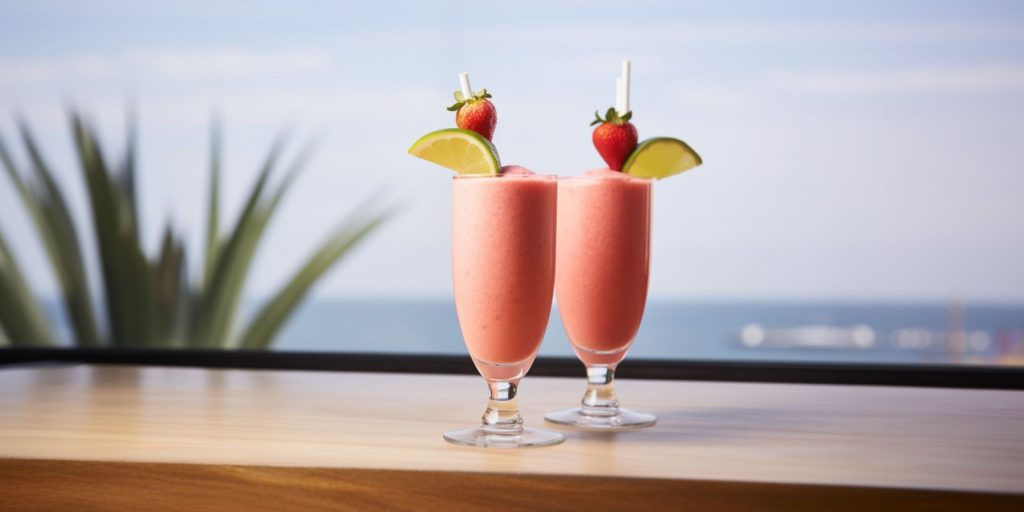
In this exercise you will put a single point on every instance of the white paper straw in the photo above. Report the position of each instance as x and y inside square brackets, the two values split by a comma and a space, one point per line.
[467, 91]
[619, 104]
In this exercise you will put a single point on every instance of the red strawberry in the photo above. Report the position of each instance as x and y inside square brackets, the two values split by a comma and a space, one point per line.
[615, 139]
[476, 113]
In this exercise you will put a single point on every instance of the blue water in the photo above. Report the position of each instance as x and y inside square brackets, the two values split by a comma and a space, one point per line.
[681, 330]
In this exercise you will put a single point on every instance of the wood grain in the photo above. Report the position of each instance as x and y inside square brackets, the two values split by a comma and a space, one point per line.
[908, 438]
[76, 485]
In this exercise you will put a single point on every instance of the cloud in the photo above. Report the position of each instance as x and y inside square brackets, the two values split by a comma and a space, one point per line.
[163, 64]
[945, 80]
[706, 96]
[27, 72]
[231, 63]
[636, 34]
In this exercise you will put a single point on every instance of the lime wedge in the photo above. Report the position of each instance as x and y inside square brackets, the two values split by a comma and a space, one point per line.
[463, 151]
[661, 157]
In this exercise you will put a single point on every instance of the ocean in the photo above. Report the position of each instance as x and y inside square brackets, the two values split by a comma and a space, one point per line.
[759, 331]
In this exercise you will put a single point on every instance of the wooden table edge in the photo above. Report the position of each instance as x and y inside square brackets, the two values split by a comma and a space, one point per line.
[59, 484]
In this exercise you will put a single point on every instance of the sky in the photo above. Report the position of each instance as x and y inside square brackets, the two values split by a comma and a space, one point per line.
[863, 150]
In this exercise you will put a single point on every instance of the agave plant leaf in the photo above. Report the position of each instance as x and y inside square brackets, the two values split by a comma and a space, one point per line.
[155, 327]
[217, 308]
[22, 318]
[48, 210]
[126, 174]
[15, 176]
[213, 207]
[137, 280]
[271, 318]
[152, 301]
[52, 218]
[170, 292]
[122, 262]
[28, 198]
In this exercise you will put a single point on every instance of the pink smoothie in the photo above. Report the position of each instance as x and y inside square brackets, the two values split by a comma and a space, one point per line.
[503, 263]
[604, 228]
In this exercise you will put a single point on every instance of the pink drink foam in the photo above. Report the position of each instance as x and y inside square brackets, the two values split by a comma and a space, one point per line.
[602, 265]
[503, 264]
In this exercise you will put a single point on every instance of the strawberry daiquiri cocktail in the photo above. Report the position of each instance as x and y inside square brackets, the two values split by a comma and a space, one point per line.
[503, 264]
[603, 261]
[603, 257]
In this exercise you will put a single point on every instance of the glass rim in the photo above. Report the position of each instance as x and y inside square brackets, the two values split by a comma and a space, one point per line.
[622, 176]
[545, 177]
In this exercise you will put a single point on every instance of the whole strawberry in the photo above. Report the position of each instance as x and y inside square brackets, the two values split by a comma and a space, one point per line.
[615, 138]
[475, 113]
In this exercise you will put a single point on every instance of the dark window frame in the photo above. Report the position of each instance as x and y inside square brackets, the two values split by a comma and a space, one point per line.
[880, 374]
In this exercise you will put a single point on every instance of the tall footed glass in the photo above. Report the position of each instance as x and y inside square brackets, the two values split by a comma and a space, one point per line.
[503, 266]
[603, 255]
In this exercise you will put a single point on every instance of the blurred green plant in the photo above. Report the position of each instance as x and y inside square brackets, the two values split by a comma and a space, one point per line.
[152, 301]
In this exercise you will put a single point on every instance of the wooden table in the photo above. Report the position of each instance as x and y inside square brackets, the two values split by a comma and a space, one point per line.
[122, 437]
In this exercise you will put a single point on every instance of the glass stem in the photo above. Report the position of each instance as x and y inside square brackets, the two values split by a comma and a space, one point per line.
[502, 415]
[600, 399]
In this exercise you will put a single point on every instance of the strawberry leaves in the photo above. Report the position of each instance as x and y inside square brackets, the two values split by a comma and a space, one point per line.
[612, 116]
[461, 100]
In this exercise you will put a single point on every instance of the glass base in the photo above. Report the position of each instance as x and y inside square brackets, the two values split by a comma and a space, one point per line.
[482, 439]
[624, 419]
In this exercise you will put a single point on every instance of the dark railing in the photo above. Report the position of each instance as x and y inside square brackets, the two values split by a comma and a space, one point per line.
[945, 376]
